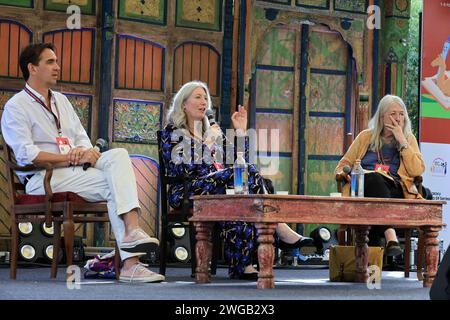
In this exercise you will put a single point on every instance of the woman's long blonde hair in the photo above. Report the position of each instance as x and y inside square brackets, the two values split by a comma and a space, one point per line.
[376, 123]
[176, 115]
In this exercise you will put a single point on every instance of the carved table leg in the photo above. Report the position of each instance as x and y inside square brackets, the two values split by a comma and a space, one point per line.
[432, 254]
[420, 255]
[203, 250]
[362, 253]
[265, 255]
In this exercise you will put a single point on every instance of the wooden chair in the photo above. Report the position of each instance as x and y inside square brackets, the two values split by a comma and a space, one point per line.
[345, 233]
[66, 208]
[170, 216]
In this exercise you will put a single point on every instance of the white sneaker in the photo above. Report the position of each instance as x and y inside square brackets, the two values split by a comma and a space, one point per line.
[138, 273]
[139, 241]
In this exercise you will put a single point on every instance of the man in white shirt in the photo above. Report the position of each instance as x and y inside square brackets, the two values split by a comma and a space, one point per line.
[41, 126]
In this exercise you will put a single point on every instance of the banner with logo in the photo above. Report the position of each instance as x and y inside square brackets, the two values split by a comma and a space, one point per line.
[435, 103]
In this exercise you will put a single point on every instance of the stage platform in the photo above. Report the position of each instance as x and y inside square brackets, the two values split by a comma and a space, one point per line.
[302, 283]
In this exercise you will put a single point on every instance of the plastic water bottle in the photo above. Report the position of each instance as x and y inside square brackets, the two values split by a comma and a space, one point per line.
[240, 174]
[357, 188]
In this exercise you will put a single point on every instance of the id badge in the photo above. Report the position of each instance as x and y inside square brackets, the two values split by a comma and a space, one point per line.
[381, 167]
[63, 145]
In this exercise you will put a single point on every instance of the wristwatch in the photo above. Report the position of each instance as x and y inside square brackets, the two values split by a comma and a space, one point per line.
[403, 147]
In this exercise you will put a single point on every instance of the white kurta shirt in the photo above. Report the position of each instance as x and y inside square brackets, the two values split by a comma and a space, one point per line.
[28, 128]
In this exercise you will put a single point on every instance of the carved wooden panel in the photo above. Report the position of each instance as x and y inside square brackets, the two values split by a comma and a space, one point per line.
[354, 6]
[82, 105]
[200, 14]
[197, 61]
[136, 121]
[140, 64]
[150, 11]
[75, 52]
[316, 4]
[18, 3]
[5, 95]
[13, 38]
[146, 171]
[274, 99]
[86, 6]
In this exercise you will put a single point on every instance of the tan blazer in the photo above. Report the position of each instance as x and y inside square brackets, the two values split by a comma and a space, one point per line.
[411, 163]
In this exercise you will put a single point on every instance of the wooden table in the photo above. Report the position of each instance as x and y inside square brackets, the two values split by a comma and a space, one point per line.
[268, 210]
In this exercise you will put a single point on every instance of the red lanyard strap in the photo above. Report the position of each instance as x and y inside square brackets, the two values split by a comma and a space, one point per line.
[48, 108]
[380, 157]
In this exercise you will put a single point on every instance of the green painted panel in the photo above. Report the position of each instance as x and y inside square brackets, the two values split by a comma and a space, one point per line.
[150, 11]
[280, 1]
[320, 177]
[325, 136]
[400, 81]
[277, 48]
[327, 93]
[18, 3]
[270, 122]
[432, 109]
[278, 169]
[394, 30]
[320, 4]
[320, 182]
[82, 106]
[399, 8]
[86, 6]
[327, 51]
[358, 6]
[402, 8]
[138, 149]
[275, 89]
[136, 121]
[199, 14]
[358, 25]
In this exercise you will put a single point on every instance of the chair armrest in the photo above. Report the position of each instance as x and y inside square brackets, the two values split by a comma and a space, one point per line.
[48, 167]
[16, 167]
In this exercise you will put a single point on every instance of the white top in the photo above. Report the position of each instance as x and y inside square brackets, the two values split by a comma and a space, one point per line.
[28, 128]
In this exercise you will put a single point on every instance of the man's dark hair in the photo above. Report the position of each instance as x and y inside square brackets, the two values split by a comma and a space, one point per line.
[32, 54]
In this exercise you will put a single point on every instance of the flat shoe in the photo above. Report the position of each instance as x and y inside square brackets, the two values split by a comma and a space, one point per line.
[139, 242]
[141, 274]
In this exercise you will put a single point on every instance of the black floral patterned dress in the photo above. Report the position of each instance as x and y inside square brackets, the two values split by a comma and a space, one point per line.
[204, 178]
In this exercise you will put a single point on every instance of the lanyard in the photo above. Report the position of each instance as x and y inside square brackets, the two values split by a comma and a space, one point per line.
[48, 108]
[380, 157]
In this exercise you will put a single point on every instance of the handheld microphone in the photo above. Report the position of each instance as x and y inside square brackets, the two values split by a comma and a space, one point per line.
[100, 144]
[346, 169]
[210, 116]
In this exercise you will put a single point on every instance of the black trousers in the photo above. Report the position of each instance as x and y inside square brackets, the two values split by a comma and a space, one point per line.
[378, 186]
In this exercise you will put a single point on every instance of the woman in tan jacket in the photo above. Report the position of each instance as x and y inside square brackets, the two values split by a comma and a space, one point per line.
[389, 151]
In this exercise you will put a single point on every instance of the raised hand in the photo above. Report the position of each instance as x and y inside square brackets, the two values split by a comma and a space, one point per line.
[239, 119]
[396, 130]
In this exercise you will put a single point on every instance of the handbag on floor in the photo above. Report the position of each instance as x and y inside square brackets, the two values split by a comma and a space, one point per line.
[342, 262]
